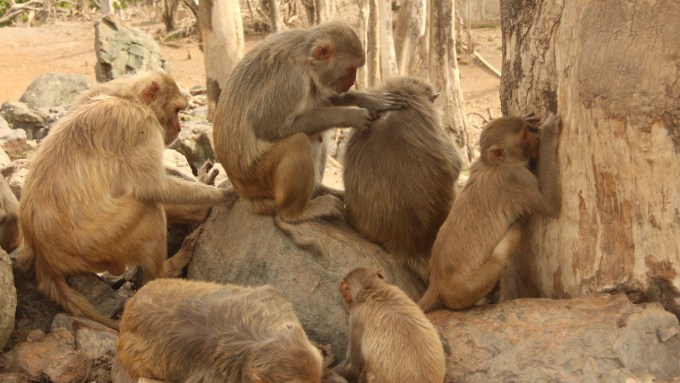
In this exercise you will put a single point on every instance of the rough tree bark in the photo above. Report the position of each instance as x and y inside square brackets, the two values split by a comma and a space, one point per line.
[170, 8]
[611, 71]
[388, 58]
[445, 76]
[275, 16]
[221, 28]
[373, 43]
[410, 26]
[362, 73]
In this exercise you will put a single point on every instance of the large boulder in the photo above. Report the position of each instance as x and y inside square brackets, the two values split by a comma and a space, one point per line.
[20, 116]
[123, 49]
[8, 298]
[600, 338]
[239, 247]
[54, 89]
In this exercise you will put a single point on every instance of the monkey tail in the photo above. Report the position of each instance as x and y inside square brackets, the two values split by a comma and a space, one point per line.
[429, 300]
[72, 301]
[298, 237]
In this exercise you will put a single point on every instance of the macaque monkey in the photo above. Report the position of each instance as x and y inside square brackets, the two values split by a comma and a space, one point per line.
[391, 340]
[190, 331]
[9, 227]
[482, 230]
[399, 176]
[94, 193]
[283, 94]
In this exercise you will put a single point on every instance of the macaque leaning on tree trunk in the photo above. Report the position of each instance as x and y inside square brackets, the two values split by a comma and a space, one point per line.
[484, 227]
[95, 190]
[281, 96]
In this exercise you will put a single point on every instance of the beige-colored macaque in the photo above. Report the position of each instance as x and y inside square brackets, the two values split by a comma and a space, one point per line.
[391, 340]
[399, 176]
[189, 331]
[282, 95]
[483, 230]
[94, 193]
[9, 227]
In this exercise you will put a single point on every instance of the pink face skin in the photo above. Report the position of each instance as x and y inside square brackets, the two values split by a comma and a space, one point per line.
[347, 80]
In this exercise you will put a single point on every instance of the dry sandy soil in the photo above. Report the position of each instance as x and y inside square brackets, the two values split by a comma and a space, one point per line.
[68, 47]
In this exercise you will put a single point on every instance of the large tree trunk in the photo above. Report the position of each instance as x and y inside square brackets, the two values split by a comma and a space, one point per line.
[170, 8]
[388, 58]
[222, 34]
[610, 69]
[444, 74]
[275, 16]
[409, 28]
[373, 43]
[362, 73]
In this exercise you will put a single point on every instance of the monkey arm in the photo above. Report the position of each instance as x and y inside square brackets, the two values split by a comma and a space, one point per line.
[548, 167]
[319, 119]
[351, 367]
[170, 190]
[374, 102]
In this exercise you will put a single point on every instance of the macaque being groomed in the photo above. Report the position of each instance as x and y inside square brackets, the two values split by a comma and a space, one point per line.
[285, 92]
[399, 176]
[483, 229]
[189, 331]
[94, 193]
[391, 340]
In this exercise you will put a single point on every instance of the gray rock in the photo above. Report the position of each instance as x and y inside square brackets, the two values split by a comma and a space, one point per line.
[194, 141]
[105, 299]
[239, 247]
[15, 173]
[8, 299]
[20, 116]
[600, 338]
[55, 89]
[123, 49]
[93, 339]
[71, 367]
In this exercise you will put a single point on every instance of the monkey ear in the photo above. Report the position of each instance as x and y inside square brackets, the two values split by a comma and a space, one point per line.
[495, 154]
[380, 275]
[323, 52]
[150, 93]
[346, 295]
[434, 96]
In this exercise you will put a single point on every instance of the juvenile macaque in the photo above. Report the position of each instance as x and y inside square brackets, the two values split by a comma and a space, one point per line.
[94, 193]
[482, 230]
[285, 92]
[9, 227]
[391, 340]
[190, 331]
[399, 176]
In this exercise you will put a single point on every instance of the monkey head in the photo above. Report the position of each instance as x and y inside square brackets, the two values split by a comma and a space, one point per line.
[509, 139]
[410, 87]
[356, 281]
[288, 357]
[166, 101]
[336, 54]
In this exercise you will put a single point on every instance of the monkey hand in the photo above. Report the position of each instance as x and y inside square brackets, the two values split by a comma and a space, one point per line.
[207, 173]
[532, 120]
[378, 102]
[551, 125]
[360, 118]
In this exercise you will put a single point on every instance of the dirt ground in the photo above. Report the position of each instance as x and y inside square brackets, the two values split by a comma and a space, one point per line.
[68, 47]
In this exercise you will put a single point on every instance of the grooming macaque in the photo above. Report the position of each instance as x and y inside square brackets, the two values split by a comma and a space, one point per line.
[190, 331]
[94, 193]
[482, 230]
[9, 227]
[285, 92]
[399, 176]
[391, 340]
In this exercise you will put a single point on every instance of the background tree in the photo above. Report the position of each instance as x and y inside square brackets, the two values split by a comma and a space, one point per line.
[611, 71]
[444, 73]
[221, 28]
